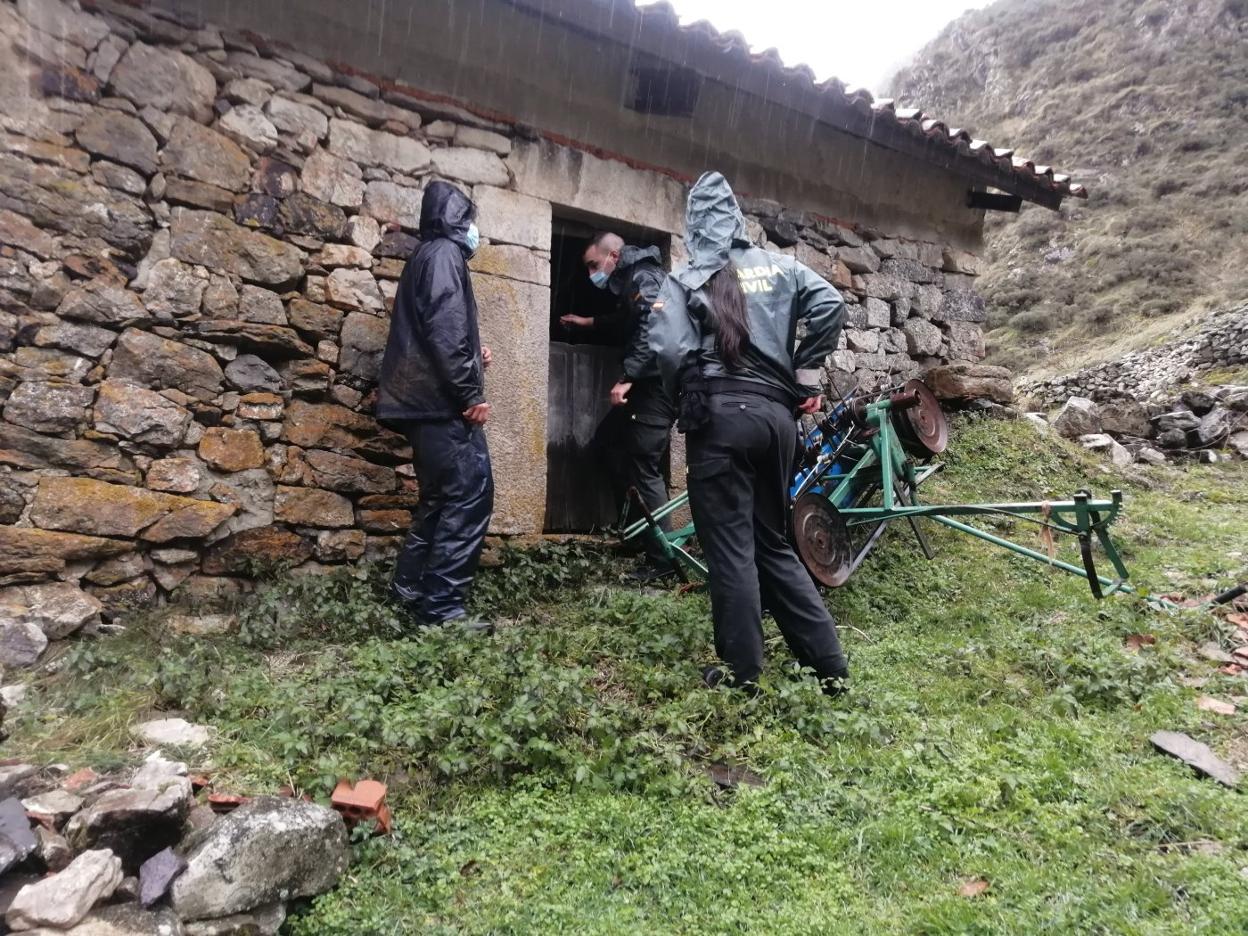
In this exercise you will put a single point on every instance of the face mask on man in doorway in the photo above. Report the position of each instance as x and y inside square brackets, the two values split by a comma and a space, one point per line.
[601, 258]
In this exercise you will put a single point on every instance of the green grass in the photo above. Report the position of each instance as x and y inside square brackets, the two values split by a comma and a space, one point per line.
[552, 778]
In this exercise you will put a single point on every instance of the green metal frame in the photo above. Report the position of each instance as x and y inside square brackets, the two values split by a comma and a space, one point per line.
[883, 466]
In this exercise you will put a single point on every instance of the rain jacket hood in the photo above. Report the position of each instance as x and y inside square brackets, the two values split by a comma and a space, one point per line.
[432, 367]
[780, 292]
[447, 212]
[714, 225]
[630, 256]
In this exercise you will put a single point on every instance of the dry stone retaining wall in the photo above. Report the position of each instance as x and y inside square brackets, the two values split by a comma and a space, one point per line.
[200, 240]
[1151, 376]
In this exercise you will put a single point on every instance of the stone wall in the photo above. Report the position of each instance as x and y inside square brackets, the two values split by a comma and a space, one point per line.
[201, 239]
[912, 304]
[1220, 341]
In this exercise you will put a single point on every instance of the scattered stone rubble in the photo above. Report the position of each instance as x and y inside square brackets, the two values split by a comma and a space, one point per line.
[1195, 426]
[200, 238]
[1154, 375]
[84, 855]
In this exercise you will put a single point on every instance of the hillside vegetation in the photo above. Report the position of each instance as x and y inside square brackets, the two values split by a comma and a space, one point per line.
[1145, 103]
[989, 770]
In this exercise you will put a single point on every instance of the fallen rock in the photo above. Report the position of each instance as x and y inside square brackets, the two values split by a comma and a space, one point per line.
[1182, 419]
[1099, 442]
[16, 839]
[1125, 417]
[157, 875]
[63, 899]
[1150, 455]
[267, 851]
[1079, 417]
[124, 919]
[202, 625]
[965, 382]
[21, 644]
[1172, 439]
[55, 806]
[135, 824]
[53, 849]
[1217, 706]
[1238, 443]
[1214, 426]
[263, 921]
[173, 731]
[58, 609]
[158, 772]
[1196, 755]
[1198, 401]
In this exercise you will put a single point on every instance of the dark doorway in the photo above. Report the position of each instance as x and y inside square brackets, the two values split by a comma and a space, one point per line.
[584, 364]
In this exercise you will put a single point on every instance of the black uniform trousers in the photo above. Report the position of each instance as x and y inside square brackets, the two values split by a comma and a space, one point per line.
[443, 547]
[633, 440]
[740, 469]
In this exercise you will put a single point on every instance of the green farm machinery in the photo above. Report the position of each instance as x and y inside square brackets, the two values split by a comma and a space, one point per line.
[862, 466]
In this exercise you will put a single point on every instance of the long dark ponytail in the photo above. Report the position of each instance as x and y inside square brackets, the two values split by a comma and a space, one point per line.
[732, 326]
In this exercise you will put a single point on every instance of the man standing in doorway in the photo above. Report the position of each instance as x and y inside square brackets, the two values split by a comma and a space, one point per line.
[432, 389]
[641, 423]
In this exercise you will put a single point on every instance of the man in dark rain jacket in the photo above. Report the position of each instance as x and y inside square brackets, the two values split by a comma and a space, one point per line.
[641, 424]
[724, 329]
[432, 389]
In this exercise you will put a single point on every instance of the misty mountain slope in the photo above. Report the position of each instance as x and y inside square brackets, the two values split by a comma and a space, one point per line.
[1145, 103]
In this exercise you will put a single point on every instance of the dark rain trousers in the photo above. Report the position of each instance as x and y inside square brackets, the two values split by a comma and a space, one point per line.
[633, 441]
[740, 468]
[443, 546]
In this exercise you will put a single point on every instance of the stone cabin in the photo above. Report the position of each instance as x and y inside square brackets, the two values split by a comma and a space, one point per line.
[205, 207]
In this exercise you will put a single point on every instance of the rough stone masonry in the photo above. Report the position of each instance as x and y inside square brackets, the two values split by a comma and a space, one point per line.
[201, 239]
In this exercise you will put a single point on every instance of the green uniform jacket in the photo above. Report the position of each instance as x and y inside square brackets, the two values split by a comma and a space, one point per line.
[779, 293]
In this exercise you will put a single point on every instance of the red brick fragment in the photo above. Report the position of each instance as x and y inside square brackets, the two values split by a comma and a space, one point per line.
[225, 802]
[363, 802]
[79, 779]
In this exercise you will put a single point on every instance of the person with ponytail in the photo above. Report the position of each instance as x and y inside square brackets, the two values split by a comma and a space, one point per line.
[724, 331]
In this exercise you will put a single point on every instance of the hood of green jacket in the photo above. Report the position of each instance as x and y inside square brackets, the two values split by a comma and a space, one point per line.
[714, 225]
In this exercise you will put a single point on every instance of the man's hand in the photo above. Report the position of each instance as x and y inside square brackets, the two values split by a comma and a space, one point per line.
[576, 321]
[811, 405]
[619, 393]
[487, 356]
[477, 415]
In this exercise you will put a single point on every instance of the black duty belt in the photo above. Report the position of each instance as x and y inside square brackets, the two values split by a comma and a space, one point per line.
[734, 385]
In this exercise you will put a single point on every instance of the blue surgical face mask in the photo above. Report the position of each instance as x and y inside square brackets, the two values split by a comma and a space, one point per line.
[472, 238]
[599, 278]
